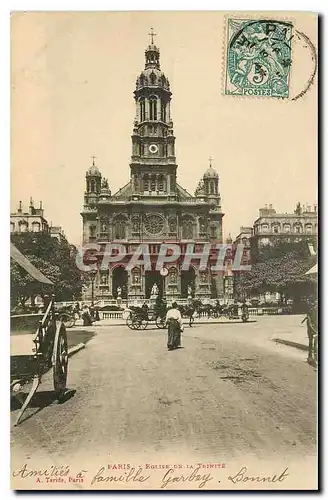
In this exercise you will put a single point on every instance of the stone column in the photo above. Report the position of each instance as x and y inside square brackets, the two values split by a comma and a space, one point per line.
[168, 183]
[128, 286]
[158, 108]
[135, 148]
[142, 282]
[179, 282]
[96, 287]
[138, 111]
[146, 109]
[164, 184]
[110, 282]
[165, 111]
[110, 230]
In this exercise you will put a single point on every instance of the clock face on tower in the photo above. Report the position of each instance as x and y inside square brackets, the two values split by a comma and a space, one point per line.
[153, 148]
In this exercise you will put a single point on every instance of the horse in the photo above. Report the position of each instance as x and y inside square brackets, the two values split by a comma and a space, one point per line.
[188, 311]
[202, 309]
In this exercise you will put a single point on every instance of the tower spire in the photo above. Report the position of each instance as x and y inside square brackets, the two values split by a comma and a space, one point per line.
[152, 34]
[152, 53]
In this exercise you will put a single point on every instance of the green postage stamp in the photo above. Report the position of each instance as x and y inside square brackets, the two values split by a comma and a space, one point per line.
[258, 57]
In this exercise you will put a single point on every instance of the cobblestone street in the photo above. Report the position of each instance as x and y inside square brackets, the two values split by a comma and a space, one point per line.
[229, 392]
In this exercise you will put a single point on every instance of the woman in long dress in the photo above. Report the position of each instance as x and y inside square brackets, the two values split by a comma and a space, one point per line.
[86, 316]
[175, 327]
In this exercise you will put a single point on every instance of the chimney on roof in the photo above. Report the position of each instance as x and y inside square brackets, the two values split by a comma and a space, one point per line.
[20, 207]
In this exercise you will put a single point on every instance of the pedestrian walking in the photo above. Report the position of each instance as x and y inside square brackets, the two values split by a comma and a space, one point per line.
[97, 317]
[76, 311]
[86, 316]
[175, 327]
[244, 311]
[312, 331]
[92, 311]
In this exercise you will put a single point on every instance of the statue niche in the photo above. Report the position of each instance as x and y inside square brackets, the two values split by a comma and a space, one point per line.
[135, 224]
[172, 224]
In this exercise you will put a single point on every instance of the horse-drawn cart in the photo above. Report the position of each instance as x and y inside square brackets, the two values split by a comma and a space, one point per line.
[139, 317]
[38, 344]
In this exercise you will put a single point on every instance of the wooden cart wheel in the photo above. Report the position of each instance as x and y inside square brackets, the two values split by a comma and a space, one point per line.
[160, 322]
[140, 323]
[136, 322]
[60, 359]
[131, 321]
[144, 324]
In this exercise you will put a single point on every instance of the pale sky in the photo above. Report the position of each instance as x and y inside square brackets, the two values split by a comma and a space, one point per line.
[73, 77]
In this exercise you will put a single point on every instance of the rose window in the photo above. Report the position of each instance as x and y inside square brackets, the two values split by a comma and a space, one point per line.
[154, 224]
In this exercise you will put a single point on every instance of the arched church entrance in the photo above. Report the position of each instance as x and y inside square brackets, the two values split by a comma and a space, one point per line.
[120, 279]
[187, 279]
[152, 277]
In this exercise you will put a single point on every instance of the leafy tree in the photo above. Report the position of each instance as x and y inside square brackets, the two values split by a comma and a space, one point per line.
[55, 259]
[23, 286]
[281, 247]
[279, 268]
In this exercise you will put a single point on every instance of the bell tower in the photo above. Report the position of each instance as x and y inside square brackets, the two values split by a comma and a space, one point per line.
[93, 184]
[153, 164]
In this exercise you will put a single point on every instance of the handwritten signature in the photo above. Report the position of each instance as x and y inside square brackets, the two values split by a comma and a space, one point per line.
[133, 475]
[53, 471]
[242, 476]
[171, 477]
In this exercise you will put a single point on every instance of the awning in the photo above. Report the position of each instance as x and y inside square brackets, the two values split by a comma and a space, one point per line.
[313, 270]
[27, 265]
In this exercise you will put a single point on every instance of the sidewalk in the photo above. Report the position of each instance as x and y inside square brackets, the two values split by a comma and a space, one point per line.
[197, 321]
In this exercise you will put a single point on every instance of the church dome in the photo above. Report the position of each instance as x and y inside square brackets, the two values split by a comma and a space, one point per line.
[93, 171]
[152, 77]
[211, 173]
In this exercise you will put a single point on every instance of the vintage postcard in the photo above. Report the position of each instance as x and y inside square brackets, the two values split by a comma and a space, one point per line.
[164, 227]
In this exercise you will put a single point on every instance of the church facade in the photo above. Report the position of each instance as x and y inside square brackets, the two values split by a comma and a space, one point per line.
[153, 207]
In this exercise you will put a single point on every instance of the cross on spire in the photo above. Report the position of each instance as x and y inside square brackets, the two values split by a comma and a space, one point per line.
[152, 34]
[93, 160]
[210, 160]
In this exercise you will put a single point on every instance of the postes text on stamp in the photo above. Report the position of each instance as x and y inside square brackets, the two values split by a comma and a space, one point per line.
[258, 58]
